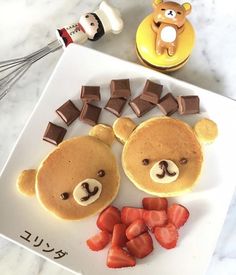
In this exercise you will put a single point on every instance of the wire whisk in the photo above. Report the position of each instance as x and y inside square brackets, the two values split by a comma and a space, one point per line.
[13, 69]
[107, 20]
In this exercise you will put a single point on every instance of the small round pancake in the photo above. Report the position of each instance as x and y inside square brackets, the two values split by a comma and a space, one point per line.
[157, 139]
[103, 132]
[26, 182]
[206, 130]
[123, 127]
[70, 163]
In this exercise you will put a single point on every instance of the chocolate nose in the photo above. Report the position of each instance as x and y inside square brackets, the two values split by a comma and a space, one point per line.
[164, 171]
[87, 191]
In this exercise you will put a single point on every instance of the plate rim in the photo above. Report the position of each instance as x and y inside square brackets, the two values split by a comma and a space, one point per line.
[166, 77]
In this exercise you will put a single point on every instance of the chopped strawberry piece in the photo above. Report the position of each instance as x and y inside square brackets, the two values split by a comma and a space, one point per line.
[177, 214]
[135, 229]
[131, 214]
[155, 203]
[118, 257]
[154, 218]
[99, 241]
[140, 246]
[118, 235]
[167, 236]
[108, 218]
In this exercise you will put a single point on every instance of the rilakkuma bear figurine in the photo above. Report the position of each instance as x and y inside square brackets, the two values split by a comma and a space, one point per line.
[168, 23]
[78, 179]
[165, 38]
[92, 26]
[163, 156]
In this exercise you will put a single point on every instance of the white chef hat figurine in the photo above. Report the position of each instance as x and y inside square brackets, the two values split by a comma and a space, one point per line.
[92, 26]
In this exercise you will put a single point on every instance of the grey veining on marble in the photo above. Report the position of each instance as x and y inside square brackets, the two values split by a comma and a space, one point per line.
[27, 25]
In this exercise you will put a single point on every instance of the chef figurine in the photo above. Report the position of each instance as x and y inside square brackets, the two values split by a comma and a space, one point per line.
[92, 26]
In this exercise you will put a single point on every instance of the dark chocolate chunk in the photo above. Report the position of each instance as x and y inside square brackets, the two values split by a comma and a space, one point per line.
[90, 114]
[54, 133]
[64, 196]
[101, 173]
[183, 161]
[115, 106]
[152, 92]
[188, 104]
[168, 105]
[90, 93]
[140, 106]
[145, 161]
[68, 112]
[120, 88]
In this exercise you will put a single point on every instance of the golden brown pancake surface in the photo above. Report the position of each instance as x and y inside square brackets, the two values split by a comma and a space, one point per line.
[70, 163]
[157, 139]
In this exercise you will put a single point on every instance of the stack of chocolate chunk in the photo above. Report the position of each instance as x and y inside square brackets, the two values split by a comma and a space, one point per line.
[90, 113]
[68, 112]
[168, 104]
[120, 93]
[147, 100]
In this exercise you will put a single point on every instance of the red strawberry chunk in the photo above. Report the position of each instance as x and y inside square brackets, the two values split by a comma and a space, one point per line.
[140, 246]
[108, 218]
[131, 214]
[136, 228]
[118, 257]
[177, 214]
[167, 236]
[118, 235]
[154, 218]
[99, 241]
[155, 203]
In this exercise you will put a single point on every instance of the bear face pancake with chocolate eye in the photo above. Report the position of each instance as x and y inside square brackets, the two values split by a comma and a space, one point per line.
[162, 156]
[80, 177]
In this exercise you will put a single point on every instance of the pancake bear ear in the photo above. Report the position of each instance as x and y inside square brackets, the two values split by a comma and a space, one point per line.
[26, 182]
[156, 2]
[104, 133]
[206, 130]
[187, 7]
[123, 127]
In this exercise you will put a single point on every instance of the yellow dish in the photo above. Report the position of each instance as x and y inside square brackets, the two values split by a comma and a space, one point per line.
[145, 47]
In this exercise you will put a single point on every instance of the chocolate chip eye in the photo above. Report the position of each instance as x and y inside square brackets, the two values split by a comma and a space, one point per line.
[183, 161]
[178, 12]
[101, 173]
[64, 196]
[163, 9]
[145, 162]
[87, 16]
[91, 24]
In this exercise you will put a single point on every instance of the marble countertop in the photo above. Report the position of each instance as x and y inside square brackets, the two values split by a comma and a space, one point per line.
[28, 25]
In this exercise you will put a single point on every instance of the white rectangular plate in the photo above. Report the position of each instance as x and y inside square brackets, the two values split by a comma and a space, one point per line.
[208, 203]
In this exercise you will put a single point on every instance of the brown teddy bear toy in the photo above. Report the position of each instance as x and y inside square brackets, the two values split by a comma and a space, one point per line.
[168, 23]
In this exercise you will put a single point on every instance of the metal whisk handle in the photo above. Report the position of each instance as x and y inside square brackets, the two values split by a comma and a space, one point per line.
[13, 69]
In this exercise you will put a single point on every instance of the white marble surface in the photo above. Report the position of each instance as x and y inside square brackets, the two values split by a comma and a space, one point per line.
[27, 25]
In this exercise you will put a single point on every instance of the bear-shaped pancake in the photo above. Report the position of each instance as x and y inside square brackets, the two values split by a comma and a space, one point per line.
[168, 23]
[162, 156]
[79, 178]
